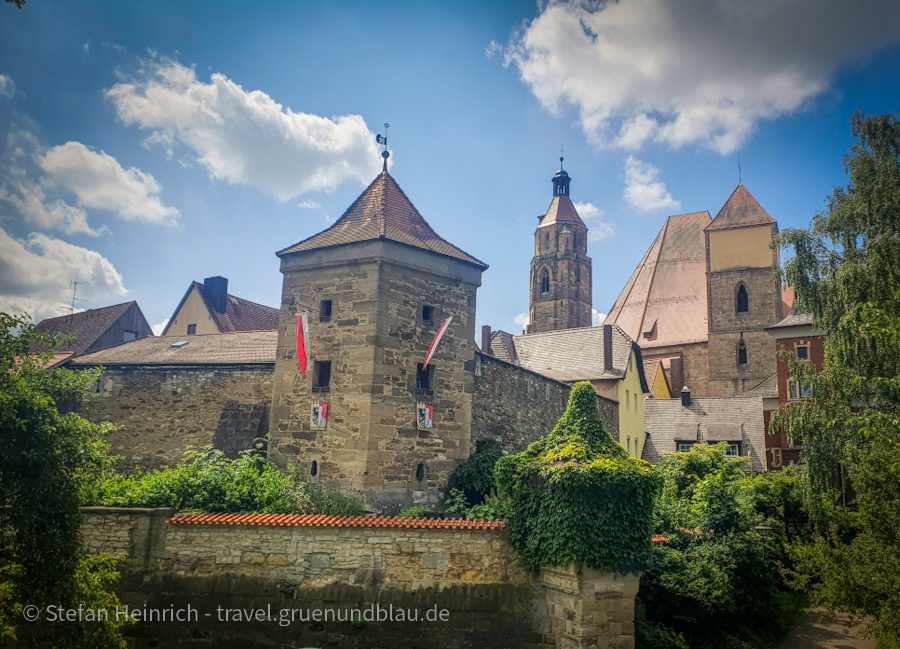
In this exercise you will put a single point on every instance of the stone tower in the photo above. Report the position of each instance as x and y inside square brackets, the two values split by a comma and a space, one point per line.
[377, 285]
[743, 295]
[560, 270]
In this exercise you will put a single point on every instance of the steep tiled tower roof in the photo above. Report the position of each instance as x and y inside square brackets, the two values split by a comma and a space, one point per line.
[741, 209]
[561, 210]
[665, 300]
[383, 211]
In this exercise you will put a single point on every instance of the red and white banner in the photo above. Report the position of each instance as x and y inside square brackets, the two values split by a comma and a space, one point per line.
[319, 415]
[424, 416]
[302, 328]
[437, 339]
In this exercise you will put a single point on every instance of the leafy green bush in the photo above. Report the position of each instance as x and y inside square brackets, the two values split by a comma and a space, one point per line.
[493, 508]
[475, 476]
[208, 481]
[413, 512]
[575, 496]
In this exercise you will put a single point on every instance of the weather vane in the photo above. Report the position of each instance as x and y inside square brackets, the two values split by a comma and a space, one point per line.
[383, 140]
[560, 157]
[740, 181]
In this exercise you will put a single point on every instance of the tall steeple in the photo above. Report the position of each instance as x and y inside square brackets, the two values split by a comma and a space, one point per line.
[560, 270]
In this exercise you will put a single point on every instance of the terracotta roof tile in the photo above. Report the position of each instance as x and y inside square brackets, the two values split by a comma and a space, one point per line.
[383, 211]
[241, 314]
[86, 326]
[561, 210]
[668, 287]
[787, 300]
[201, 349]
[741, 209]
[302, 520]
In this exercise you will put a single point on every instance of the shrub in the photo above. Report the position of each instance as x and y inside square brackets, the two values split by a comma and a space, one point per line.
[575, 496]
[413, 512]
[475, 476]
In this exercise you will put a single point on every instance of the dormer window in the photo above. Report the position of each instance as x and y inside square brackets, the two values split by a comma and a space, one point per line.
[742, 300]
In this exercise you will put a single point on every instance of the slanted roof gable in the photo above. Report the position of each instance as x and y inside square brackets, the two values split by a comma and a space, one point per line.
[740, 210]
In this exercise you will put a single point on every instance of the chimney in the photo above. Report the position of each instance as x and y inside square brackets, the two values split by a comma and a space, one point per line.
[685, 397]
[676, 373]
[607, 347]
[216, 292]
[486, 340]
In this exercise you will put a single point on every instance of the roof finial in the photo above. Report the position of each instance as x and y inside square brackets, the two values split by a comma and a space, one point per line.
[739, 170]
[560, 157]
[383, 140]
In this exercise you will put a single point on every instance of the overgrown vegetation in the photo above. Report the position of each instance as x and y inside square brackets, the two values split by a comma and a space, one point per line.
[717, 581]
[475, 477]
[208, 481]
[846, 272]
[50, 461]
[575, 496]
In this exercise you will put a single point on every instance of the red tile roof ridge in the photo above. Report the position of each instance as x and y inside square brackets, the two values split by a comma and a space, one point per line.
[326, 520]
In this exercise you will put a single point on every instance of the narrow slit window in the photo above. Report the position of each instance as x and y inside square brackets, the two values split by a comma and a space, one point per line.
[427, 314]
[314, 469]
[420, 472]
[325, 311]
[743, 301]
[742, 353]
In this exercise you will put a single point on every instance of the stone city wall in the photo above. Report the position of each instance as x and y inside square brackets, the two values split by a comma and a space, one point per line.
[467, 584]
[164, 409]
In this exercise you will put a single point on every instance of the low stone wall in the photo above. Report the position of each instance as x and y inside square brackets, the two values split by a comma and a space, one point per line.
[335, 583]
[163, 410]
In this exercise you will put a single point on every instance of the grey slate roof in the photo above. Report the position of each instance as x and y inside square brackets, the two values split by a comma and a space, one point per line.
[503, 347]
[794, 318]
[204, 349]
[571, 355]
[766, 388]
[85, 326]
[707, 420]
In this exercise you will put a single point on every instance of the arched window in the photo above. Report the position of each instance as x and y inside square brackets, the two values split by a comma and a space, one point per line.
[545, 281]
[314, 468]
[743, 302]
[742, 353]
[420, 472]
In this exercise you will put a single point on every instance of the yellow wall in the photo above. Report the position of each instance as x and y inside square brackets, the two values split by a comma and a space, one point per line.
[631, 409]
[192, 311]
[660, 387]
[740, 248]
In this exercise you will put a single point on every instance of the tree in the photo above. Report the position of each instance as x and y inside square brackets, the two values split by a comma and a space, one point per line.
[846, 272]
[51, 458]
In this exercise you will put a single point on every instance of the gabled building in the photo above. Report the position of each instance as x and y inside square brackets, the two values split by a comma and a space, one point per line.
[702, 296]
[605, 356]
[208, 308]
[655, 372]
[97, 329]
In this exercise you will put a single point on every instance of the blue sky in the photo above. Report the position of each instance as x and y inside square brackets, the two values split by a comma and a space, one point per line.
[149, 144]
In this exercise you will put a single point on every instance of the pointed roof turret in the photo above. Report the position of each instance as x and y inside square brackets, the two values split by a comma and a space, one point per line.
[383, 211]
[740, 210]
[561, 208]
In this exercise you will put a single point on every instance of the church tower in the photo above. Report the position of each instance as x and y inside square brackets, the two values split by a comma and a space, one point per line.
[560, 270]
[743, 295]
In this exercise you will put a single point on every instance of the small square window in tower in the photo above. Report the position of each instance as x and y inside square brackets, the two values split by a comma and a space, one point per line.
[325, 311]
[322, 376]
[427, 314]
[424, 379]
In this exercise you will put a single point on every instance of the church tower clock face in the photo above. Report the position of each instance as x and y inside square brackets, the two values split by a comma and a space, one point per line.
[560, 292]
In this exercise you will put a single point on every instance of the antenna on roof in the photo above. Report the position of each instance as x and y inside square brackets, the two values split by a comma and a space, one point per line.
[739, 170]
[73, 284]
[383, 140]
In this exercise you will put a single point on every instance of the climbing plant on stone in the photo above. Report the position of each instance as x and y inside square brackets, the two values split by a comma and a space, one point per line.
[576, 497]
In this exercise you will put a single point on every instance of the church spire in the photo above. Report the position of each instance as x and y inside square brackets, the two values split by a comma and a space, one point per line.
[561, 181]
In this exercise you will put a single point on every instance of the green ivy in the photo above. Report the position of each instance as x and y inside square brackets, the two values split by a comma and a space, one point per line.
[475, 476]
[576, 497]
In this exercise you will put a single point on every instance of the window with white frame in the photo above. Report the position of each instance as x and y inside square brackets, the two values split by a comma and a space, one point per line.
[733, 450]
[799, 389]
[684, 448]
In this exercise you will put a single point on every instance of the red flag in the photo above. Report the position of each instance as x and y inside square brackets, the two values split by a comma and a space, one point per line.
[302, 328]
[437, 339]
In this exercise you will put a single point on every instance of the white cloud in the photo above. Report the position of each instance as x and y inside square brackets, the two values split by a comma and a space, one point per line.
[32, 204]
[7, 87]
[521, 319]
[493, 48]
[245, 137]
[598, 229]
[309, 205]
[597, 318]
[704, 72]
[35, 275]
[159, 328]
[643, 190]
[100, 182]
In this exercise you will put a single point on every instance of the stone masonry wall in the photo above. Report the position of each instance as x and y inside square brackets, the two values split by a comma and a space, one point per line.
[695, 363]
[512, 405]
[466, 587]
[165, 409]
[473, 574]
